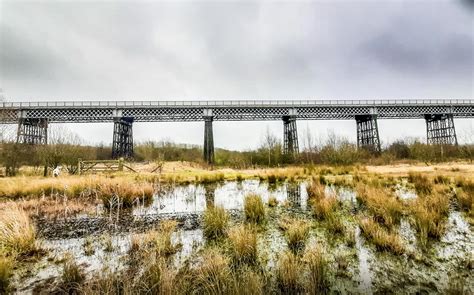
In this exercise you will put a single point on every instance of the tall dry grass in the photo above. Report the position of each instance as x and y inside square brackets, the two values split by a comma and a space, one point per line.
[382, 239]
[243, 244]
[254, 208]
[318, 270]
[429, 214]
[382, 203]
[17, 232]
[423, 184]
[296, 233]
[126, 188]
[215, 222]
[289, 271]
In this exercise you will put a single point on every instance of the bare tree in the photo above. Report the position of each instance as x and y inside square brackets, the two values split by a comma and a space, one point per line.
[270, 144]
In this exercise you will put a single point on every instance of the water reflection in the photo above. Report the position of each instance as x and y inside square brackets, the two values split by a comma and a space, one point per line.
[230, 195]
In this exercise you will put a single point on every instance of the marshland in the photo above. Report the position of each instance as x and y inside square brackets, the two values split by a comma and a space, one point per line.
[194, 229]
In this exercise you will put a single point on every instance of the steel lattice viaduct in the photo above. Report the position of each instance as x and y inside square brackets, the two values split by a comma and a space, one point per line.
[33, 117]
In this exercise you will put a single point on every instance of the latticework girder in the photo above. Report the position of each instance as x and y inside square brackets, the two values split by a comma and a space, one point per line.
[368, 132]
[440, 129]
[32, 131]
[290, 136]
[122, 145]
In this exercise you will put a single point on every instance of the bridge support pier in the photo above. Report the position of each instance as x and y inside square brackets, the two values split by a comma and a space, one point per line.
[32, 131]
[440, 129]
[122, 146]
[208, 140]
[290, 136]
[368, 132]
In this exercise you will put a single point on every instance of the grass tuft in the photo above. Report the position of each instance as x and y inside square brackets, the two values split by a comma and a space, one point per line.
[318, 269]
[243, 242]
[296, 233]
[72, 277]
[17, 233]
[254, 208]
[288, 273]
[383, 240]
[423, 185]
[215, 221]
[6, 269]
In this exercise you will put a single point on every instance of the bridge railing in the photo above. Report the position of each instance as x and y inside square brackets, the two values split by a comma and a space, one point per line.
[237, 103]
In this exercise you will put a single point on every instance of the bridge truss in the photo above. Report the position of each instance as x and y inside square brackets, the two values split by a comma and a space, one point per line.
[33, 117]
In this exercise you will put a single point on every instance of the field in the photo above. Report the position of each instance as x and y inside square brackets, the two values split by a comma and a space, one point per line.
[404, 228]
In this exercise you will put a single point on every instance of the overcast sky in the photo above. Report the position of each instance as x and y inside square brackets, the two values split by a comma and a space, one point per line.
[104, 50]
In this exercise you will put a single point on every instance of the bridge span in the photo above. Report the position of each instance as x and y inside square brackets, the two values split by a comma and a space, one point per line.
[33, 117]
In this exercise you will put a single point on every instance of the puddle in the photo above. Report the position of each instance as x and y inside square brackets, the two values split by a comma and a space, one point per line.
[365, 275]
[230, 195]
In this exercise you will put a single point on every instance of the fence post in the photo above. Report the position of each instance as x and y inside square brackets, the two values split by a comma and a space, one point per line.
[120, 166]
[79, 166]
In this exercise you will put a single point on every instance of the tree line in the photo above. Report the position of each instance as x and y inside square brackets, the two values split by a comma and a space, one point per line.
[66, 148]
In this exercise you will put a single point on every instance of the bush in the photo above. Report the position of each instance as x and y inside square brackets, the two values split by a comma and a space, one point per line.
[215, 221]
[254, 208]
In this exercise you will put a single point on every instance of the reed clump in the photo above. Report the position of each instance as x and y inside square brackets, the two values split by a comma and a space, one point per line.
[288, 273]
[158, 278]
[423, 185]
[323, 207]
[215, 221]
[126, 194]
[17, 233]
[243, 244]
[466, 201]
[383, 240]
[316, 189]
[72, 277]
[386, 208]
[254, 208]
[6, 269]
[429, 215]
[212, 274]
[296, 232]
[318, 270]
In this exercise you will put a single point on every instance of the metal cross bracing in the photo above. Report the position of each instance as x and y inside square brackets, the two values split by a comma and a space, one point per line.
[33, 117]
[440, 129]
[156, 111]
[122, 145]
[290, 136]
[368, 132]
[32, 131]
